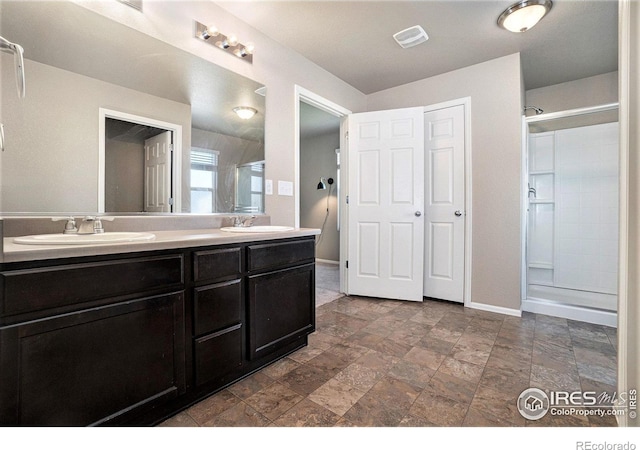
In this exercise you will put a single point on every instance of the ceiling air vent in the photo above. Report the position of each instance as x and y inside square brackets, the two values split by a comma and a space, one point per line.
[411, 36]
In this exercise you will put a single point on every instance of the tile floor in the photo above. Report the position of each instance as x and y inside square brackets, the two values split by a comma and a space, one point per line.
[327, 283]
[385, 363]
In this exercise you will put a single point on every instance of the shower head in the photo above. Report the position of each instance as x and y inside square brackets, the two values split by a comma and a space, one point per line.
[535, 108]
[18, 52]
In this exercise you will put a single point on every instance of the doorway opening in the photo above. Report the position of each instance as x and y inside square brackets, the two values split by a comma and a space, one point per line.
[139, 164]
[319, 134]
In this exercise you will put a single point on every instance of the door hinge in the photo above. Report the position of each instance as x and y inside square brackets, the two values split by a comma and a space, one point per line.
[347, 264]
[347, 199]
[346, 135]
[170, 147]
[171, 201]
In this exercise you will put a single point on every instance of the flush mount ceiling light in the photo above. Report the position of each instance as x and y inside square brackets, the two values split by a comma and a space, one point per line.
[229, 43]
[411, 36]
[523, 15]
[245, 112]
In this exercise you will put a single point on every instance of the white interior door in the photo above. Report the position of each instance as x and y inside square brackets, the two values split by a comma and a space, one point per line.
[386, 199]
[444, 204]
[157, 173]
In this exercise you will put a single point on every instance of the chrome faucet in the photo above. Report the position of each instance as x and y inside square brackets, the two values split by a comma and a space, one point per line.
[89, 225]
[243, 221]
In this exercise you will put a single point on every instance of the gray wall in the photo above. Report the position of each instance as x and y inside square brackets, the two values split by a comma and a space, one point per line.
[318, 159]
[51, 160]
[496, 92]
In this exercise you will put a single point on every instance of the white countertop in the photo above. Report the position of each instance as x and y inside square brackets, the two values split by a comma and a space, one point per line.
[164, 240]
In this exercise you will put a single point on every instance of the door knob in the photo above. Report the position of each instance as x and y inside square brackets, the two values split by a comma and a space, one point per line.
[458, 213]
[418, 213]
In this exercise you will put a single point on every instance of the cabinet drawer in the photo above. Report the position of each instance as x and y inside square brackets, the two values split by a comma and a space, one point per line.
[282, 254]
[49, 287]
[217, 264]
[218, 306]
[218, 354]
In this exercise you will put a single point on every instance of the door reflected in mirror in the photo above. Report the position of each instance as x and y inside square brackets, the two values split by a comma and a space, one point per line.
[250, 188]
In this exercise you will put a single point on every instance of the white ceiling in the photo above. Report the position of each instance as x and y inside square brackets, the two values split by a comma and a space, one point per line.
[353, 39]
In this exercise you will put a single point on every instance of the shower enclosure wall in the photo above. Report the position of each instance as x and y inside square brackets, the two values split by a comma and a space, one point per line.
[572, 218]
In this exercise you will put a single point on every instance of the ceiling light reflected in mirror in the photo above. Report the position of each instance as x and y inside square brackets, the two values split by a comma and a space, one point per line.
[245, 112]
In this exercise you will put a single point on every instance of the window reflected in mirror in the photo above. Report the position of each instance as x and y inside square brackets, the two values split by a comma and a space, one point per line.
[204, 180]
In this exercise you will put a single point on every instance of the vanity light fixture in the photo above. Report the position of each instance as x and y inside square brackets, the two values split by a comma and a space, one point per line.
[245, 112]
[228, 43]
[523, 15]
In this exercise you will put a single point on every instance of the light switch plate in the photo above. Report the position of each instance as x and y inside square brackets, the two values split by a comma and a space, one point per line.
[285, 188]
[268, 187]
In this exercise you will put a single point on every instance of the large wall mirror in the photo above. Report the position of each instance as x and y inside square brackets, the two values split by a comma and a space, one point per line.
[116, 121]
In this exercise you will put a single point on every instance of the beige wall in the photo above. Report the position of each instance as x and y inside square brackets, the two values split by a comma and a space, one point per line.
[592, 91]
[318, 158]
[274, 65]
[56, 167]
[495, 88]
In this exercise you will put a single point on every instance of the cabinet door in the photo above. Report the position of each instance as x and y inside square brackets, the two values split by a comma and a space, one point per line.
[93, 366]
[281, 308]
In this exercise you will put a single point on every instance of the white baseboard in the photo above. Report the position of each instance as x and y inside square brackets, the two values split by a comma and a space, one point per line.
[495, 309]
[327, 261]
[598, 317]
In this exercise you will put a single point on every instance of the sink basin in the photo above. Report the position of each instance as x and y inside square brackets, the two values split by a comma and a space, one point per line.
[257, 229]
[83, 239]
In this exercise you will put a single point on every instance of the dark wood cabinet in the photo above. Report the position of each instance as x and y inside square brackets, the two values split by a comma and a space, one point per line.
[133, 339]
[91, 366]
[279, 308]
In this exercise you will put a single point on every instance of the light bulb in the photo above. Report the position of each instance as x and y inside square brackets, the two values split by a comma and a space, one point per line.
[212, 30]
[249, 48]
[232, 40]
[209, 32]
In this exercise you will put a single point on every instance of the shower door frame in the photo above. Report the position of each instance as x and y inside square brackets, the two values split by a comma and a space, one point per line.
[526, 120]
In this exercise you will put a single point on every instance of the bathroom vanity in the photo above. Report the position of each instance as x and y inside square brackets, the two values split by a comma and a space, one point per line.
[130, 334]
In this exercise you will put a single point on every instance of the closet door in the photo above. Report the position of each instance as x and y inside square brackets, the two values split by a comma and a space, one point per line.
[444, 204]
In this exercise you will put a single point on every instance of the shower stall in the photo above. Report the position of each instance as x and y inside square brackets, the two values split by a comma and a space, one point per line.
[571, 174]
